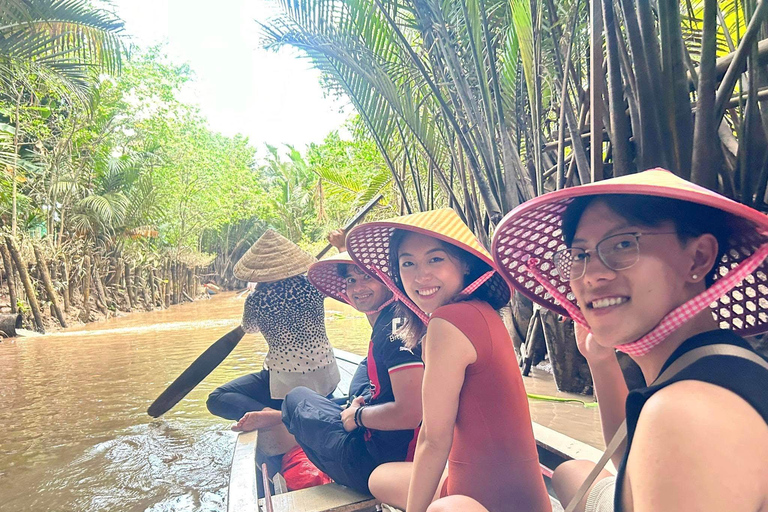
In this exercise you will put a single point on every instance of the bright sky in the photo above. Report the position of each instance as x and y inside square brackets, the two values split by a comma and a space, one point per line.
[240, 87]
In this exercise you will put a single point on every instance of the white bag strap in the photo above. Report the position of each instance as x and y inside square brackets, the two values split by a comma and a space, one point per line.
[680, 364]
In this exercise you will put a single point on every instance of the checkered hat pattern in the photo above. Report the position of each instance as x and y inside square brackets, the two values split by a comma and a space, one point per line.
[324, 275]
[368, 244]
[527, 239]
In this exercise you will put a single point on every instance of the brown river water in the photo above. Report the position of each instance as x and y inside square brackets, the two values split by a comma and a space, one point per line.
[75, 436]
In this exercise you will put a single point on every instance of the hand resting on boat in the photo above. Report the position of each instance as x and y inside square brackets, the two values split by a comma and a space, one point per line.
[255, 420]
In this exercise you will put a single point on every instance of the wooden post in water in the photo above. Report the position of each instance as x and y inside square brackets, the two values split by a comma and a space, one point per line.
[27, 282]
[9, 276]
[46, 277]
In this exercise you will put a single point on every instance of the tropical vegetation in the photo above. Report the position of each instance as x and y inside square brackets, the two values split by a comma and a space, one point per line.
[488, 103]
[115, 193]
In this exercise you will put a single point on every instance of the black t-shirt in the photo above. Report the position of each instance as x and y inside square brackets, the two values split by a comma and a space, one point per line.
[387, 355]
[745, 378]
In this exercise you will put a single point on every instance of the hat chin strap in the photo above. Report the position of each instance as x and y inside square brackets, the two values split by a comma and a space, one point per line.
[399, 295]
[675, 318]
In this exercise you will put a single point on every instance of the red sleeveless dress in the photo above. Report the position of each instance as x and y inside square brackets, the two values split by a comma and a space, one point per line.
[493, 458]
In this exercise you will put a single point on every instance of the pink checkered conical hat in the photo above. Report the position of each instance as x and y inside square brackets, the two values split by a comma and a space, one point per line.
[528, 237]
[324, 275]
[368, 244]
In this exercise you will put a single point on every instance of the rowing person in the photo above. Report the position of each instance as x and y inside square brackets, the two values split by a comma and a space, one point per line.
[380, 425]
[475, 410]
[290, 314]
[669, 273]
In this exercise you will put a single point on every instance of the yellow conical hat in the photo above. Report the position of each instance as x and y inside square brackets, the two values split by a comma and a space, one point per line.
[368, 244]
[272, 258]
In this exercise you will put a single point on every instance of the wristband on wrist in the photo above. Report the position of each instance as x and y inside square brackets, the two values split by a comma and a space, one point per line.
[359, 416]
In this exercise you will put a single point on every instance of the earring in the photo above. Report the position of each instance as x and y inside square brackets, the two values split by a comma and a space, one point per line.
[695, 277]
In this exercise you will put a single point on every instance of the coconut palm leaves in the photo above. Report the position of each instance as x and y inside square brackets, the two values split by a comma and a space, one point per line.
[59, 40]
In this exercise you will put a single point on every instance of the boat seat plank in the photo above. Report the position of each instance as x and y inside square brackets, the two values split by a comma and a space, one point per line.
[243, 496]
[328, 498]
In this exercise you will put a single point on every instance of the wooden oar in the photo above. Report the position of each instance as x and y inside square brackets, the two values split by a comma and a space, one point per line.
[216, 353]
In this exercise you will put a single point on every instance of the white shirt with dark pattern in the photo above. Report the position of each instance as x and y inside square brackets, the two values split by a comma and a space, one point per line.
[290, 315]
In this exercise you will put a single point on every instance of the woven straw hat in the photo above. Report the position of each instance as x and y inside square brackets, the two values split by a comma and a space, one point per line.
[324, 275]
[368, 244]
[533, 230]
[272, 258]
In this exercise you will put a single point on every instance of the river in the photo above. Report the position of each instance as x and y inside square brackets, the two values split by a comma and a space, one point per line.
[75, 436]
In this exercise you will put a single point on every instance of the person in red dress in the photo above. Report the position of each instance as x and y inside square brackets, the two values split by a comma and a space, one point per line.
[475, 410]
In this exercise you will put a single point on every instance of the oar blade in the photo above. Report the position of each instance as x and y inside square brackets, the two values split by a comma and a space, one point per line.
[196, 372]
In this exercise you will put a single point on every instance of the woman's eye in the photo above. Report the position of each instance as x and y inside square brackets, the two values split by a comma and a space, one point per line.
[436, 259]
[581, 256]
[351, 280]
[405, 264]
[623, 245]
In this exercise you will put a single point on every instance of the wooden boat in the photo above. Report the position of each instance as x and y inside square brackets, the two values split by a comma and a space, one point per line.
[245, 477]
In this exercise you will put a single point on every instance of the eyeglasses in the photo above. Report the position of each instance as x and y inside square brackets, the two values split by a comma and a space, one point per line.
[617, 252]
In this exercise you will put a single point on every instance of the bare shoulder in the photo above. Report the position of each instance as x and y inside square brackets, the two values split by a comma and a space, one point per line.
[698, 446]
[444, 336]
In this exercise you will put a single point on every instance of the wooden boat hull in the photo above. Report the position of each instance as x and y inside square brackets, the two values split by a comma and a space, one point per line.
[554, 448]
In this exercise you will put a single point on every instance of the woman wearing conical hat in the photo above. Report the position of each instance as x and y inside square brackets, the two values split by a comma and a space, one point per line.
[671, 274]
[380, 424]
[474, 404]
[289, 313]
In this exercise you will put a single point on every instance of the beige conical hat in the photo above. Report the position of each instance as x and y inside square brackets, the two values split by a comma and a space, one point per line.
[272, 258]
[368, 244]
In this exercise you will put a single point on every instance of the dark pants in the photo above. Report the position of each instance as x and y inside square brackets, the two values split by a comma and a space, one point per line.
[315, 422]
[244, 394]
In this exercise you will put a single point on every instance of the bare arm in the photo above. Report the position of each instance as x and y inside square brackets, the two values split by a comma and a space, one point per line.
[448, 352]
[405, 412]
[698, 447]
[610, 387]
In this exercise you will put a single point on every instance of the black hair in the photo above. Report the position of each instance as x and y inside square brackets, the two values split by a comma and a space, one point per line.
[413, 329]
[342, 269]
[691, 220]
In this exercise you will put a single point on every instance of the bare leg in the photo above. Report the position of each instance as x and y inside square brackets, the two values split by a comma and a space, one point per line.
[456, 503]
[256, 420]
[568, 478]
[389, 483]
[275, 440]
